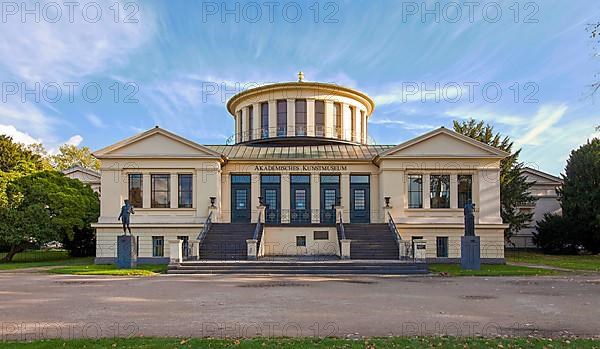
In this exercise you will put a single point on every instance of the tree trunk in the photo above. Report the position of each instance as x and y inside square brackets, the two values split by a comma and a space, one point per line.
[13, 251]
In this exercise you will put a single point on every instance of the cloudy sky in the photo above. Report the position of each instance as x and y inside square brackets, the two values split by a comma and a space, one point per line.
[93, 73]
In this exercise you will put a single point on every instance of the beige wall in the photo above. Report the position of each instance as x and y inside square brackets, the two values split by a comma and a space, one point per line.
[282, 242]
[106, 240]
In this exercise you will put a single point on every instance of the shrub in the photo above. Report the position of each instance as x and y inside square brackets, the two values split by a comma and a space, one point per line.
[554, 235]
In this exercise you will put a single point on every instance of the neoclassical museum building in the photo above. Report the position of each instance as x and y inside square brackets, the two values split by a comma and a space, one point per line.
[300, 180]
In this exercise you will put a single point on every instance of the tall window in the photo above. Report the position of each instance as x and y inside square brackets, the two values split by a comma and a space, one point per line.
[440, 191]
[158, 246]
[415, 191]
[465, 190]
[250, 122]
[160, 191]
[281, 117]
[136, 185]
[441, 244]
[185, 189]
[319, 118]
[353, 123]
[264, 119]
[300, 117]
[337, 120]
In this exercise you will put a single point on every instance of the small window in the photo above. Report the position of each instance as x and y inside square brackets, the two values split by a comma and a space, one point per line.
[359, 179]
[300, 199]
[135, 189]
[359, 200]
[158, 246]
[321, 235]
[319, 118]
[281, 117]
[440, 191]
[416, 237]
[240, 179]
[300, 117]
[337, 120]
[270, 179]
[441, 243]
[185, 190]
[301, 241]
[241, 197]
[300, 179]
[415, 191]
[160, 191]
[330, 179]
[465, 190]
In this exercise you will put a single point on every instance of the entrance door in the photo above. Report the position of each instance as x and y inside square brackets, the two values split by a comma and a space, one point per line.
[270, 189]
[360, 199]
[240, 198]
[300, 199]
[330, 192]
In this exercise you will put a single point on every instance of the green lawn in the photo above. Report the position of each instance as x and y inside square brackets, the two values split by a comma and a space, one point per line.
[264, 343]
[490, 270]
[578, 263]
[111, 269]
[45, 258]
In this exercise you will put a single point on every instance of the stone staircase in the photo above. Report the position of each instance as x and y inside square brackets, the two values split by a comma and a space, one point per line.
[339, 267]
[371, 241]
[226, 242]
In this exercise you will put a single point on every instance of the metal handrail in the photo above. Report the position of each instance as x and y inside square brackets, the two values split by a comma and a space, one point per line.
[258, 229]
[341, 230]
[205, 228]
[394, 229]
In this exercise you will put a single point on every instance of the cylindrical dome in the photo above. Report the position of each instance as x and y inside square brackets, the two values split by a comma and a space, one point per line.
[302, 112]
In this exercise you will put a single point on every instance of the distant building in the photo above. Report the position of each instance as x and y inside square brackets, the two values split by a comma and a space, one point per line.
[85, 175]
[544, 190]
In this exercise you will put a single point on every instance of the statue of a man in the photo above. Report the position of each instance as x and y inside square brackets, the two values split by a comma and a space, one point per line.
[469, 219]
[126, 210]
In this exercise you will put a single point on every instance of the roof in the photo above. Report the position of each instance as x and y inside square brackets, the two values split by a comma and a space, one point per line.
[78, 168]
[548, 177]
[308, 152]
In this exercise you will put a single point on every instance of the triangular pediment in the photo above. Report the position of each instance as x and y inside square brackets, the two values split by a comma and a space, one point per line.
[443, 143]
[540, 177]
[157, 143]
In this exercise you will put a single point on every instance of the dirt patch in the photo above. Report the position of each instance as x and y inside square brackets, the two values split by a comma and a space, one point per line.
[478, 297]
[76, 282]
[362, 282]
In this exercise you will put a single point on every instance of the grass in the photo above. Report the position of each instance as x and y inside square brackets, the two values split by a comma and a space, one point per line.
[43, 258]
[577, 263]
[264, 343]
[111, 269]
[490, 270]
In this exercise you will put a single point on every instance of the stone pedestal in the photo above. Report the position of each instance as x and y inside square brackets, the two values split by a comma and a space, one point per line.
[126, 252]
[470, 255]
[175, 253]
[252, 250]
[419, 250]
[345, 252]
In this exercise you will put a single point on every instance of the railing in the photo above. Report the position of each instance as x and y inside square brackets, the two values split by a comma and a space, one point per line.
[205, 229]
[405, 248]
[394, 229]
[341, 232]
[258, 230]
[302, 131]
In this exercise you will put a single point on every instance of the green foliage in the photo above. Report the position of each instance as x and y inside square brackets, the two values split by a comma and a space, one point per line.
[16, 157]
[45, 206]
[580, 194]
[554, 235]
[514, 189]
[70, 155]
[83, 243]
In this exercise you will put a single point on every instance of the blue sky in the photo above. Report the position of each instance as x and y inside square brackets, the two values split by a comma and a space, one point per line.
[175, 63]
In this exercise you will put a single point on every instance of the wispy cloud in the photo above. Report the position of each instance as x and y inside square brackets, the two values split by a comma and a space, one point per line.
[95, 120]
[546, 117]
[404, 124]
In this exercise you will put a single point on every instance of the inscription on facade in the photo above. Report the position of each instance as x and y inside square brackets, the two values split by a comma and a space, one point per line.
[301, 168]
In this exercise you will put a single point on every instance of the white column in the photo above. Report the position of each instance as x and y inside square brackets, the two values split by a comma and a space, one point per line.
[238, 127]
[315, 197]
[426, 199]
[346, 119]
[244, 124]
[310, 117]
[345, 193]
[272, 118]
[453, 191]
[329, 117]
[256, 129]
[285, 196]
[146, 190]
[174, 190]
[255, 193]
[291, 117]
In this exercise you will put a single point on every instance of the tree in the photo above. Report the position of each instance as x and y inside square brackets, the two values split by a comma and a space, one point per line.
[594, 33]
[554, 235]
[42, 207]
[70, 155]
[514, 188]
[13, 156]
[580, 194]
